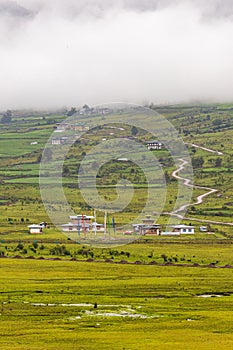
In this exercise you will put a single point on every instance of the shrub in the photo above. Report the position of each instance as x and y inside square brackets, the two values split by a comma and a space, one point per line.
[20, 246]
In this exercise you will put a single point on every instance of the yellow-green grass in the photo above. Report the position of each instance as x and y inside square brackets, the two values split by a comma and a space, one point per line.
[166, 296]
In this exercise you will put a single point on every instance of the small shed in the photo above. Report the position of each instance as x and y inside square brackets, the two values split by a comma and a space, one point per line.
[35, 228]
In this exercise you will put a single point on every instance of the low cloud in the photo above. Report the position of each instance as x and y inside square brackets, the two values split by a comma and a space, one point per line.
[57, 53]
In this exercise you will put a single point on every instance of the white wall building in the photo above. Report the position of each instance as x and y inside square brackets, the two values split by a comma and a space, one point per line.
[35, 228]
[177, 230]
[151, 145]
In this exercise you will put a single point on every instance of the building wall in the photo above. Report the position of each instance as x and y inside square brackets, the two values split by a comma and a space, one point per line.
[35, 230]
[187, 231]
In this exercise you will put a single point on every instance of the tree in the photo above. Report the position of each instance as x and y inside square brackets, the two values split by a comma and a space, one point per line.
[193, 150]
[218, 162]
[72, 111]
[6, 117]
[167, 177]
[164, 257]
[35, 245]
[134, 131]
[217, 121]
[66, 170]
[197, 162]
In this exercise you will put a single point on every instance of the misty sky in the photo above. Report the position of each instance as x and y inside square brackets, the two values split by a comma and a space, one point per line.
[56, 53]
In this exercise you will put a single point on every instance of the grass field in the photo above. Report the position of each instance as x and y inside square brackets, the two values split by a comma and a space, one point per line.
[52, 304]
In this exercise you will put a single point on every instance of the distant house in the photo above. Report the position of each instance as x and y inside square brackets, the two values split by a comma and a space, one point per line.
[35, 228]
[61, 127]
[87, 219]
[123, 159]
[177, 230]
[82, 227]
[82, 223]
[97, 227]
[58, 140]
[153, 145]
[73, 227]
[103, 110]
[147, 227]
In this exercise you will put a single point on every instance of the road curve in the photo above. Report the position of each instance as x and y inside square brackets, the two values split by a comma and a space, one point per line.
[188, 182]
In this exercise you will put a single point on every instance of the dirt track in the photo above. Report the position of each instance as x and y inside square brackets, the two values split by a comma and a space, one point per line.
[188, 182]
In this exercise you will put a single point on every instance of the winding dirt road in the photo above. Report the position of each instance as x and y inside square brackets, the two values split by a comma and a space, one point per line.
[205, 149]
[188, 182]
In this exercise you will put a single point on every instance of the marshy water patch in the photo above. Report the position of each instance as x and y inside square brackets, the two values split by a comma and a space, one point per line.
[209, 296]
[116, 314]
[80, 305]
[101, 310]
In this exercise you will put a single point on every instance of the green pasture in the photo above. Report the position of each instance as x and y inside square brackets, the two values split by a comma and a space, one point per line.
[13, 145]
[54, 304]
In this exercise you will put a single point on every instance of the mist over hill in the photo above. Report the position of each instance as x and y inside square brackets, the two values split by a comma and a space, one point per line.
[63, 53]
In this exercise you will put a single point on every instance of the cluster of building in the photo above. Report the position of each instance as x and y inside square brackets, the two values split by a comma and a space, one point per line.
[86, 110]
[70, 126]
[87, 223]
[149, 227]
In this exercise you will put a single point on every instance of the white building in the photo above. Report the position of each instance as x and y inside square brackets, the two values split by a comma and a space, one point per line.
[58, 140]
[152, 145]
[82, 223]
[177, 230]
[35, 228]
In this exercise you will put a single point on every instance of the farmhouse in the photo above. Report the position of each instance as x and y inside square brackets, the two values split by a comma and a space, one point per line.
[82, 223]
[82, 227]
[147, 227]
[68, 126]
[58, 140]
[152, 145]
[177, 230]
[35, 228]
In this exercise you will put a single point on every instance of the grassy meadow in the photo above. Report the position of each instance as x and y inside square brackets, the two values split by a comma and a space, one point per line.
[50, 305]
